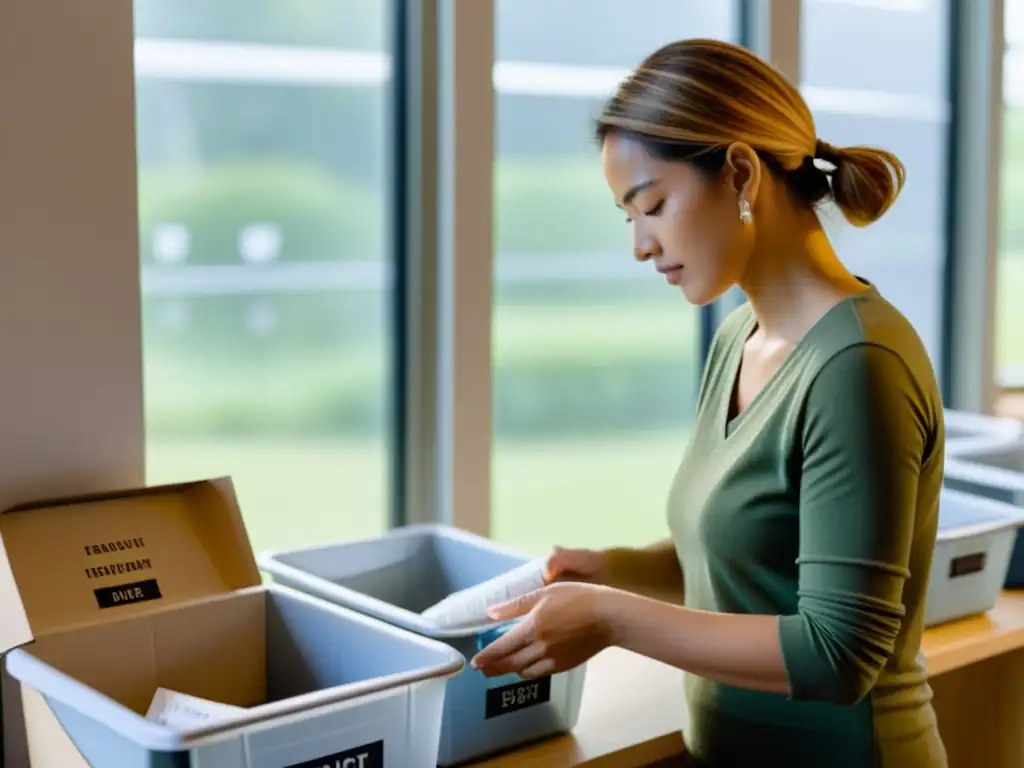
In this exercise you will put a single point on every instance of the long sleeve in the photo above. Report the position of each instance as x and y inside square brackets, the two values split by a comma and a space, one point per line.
[865, 436]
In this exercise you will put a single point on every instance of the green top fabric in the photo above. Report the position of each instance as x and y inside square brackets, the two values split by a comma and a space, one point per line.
[818, 504]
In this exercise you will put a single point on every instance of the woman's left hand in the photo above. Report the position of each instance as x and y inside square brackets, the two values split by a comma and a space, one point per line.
[564, 624]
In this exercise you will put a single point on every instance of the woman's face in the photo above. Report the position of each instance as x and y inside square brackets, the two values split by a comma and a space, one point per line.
[685, 224]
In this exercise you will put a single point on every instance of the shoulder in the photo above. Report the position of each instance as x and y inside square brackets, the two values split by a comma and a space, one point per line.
[872, 371]
[869, 345]
[861, 368]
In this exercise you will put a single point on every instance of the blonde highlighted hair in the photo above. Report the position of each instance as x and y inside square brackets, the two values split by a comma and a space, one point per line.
[692, 99]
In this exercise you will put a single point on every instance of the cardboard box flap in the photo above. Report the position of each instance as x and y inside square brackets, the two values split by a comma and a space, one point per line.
[88, 559]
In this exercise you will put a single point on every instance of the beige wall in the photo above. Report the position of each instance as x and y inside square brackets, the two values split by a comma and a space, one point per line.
[71, 416]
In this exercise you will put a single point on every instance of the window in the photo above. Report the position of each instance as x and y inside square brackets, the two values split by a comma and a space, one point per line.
[262, 143]
[1009, 341]
[896, 95]
[596, 361]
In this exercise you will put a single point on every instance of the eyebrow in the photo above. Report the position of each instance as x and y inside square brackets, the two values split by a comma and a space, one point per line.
[636, 189]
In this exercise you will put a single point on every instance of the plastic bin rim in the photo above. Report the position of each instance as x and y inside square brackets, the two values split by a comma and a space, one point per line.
[160, 738]
[379, 609]
[957, 447]
[270, 563]
[1004, 516]
[982, 424]
[23, 666]
[445, 530]
[970, 468]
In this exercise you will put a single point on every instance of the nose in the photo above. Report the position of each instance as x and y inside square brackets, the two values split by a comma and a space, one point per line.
[645, 247]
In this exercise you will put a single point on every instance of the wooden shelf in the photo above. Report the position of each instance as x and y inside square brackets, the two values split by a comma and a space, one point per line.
[953, 646]
[633, 708]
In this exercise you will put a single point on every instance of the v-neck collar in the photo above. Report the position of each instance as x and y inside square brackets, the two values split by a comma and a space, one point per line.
[727, 426]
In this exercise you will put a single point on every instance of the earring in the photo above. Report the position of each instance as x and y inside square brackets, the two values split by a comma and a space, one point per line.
[745, 215]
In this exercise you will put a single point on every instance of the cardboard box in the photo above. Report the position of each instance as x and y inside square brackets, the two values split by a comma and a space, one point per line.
[107, 598]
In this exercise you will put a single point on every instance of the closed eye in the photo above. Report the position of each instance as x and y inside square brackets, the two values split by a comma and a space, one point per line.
[652, 212]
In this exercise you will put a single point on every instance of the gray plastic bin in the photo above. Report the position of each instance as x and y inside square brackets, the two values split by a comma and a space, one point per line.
[972, 554]
[396, 576]
[996, 473]
[335, 684]
[967, 431]
[108, 598]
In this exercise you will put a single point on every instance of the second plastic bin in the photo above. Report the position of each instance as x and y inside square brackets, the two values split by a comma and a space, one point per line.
[972, 555]
[396, 576]
[996, 473]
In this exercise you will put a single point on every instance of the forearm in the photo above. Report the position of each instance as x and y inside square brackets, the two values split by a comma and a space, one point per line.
[652, 571]
[739, 650]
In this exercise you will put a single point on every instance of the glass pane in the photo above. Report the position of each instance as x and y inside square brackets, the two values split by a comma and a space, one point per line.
[1009, 340]
[262, 142]
[896, 96]
[596, 360]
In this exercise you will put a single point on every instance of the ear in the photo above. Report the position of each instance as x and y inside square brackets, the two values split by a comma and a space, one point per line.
[743, 170]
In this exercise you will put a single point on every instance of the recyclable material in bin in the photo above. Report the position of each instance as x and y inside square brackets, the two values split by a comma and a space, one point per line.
[468, 607]
[995, 473]
[179, 710]
[119, 600]
[975, 539]
[400, 575]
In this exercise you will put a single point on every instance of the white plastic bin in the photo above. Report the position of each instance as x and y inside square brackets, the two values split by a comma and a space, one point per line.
[972, 555]
[996, 473]
[967, 431]
[394, 578]
[159, 589]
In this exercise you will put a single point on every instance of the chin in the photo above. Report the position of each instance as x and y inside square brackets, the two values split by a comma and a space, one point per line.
[700, 293]
[697, 296]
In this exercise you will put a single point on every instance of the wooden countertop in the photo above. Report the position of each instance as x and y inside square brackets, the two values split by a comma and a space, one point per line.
[633, 708]
[959, 643]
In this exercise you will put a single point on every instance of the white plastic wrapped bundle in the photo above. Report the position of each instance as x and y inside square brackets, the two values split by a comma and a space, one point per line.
[468, 607]
[179, 710]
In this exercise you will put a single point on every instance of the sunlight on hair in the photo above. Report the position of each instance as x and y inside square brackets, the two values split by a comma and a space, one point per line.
[710, 94]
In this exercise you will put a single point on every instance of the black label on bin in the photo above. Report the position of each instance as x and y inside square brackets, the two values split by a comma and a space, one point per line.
[366, 756]
[126, 594]
[517, 696]
[966, 564]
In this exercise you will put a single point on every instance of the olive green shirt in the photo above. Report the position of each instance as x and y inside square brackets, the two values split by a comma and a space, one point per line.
[818, 503]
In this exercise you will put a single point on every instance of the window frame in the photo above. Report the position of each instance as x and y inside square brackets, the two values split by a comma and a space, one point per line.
[973, 199]
[447, 474]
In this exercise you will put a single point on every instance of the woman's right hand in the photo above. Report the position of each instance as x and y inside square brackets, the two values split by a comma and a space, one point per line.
[586, 565]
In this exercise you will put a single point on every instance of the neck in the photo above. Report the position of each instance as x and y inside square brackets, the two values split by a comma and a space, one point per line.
[794, 276]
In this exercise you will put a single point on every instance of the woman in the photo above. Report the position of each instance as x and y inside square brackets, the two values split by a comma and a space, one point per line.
[803, 517]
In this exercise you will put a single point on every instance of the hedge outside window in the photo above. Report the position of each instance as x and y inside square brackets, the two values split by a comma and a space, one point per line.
[596, 359]
[265, 286]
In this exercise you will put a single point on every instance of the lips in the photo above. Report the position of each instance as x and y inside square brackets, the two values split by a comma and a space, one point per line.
[673, 275]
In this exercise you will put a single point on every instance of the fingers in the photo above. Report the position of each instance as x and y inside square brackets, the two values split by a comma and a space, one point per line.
[553, 567]
[566, 562]
[528, 657]
[513, 641]
[520, 606]
[544, 666]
